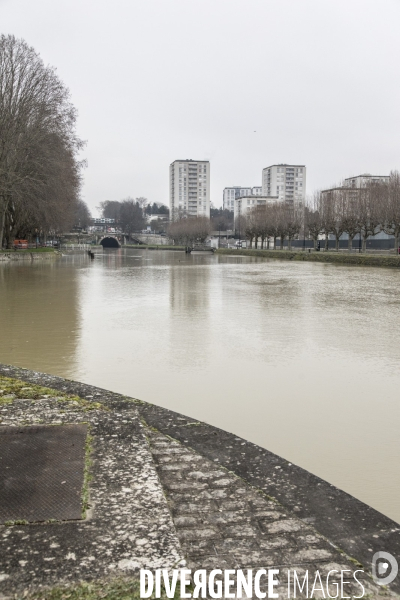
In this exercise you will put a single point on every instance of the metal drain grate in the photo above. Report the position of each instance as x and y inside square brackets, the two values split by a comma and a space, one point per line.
[41, 472]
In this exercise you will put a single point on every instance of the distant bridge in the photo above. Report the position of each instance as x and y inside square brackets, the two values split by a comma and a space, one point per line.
[111, 241]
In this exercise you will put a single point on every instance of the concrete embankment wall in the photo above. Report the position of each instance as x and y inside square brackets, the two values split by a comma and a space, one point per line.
[372, 260]
[28, 256]
[157, 247]
[310, 506]
[152, 239]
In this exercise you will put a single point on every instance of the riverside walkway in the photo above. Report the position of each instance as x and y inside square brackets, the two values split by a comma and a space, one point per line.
[163, 491]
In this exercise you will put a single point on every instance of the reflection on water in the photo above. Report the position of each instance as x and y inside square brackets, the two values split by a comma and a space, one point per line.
[299, 358]
[39, 320]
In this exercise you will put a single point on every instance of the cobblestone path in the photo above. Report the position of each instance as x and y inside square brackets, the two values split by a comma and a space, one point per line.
[223, 523]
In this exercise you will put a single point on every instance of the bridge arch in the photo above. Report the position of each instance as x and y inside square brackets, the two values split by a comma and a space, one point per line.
[110, 241]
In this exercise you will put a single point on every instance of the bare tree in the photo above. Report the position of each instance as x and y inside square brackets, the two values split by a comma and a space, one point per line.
[338, 214]
[111, 209]
[240, 225]
[332, 213]
[250, 228]
[263, 223]
[46, 201]
[292, 219]
[82, 215]
[38, 141]
[221, 219]
[143, 202]
[371, 198]
[350, 219]
[190, 231]
[273, 217]
[391, 208]
[131, 216]
[283, 223]
[312, 217]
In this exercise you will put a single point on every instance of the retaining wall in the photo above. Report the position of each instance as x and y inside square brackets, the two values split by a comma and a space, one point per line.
[372, 260]
[28, 256]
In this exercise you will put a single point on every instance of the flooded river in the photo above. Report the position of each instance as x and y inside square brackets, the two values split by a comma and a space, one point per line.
[300, 358]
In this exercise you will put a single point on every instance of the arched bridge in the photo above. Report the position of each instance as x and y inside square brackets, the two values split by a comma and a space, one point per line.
[110, 241]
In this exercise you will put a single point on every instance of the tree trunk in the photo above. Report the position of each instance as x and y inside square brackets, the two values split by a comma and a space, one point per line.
[350, 244]
[282, 240]
[327, 242]
[315, 243]
[251, 242]
[10, 236]
[290, 243]
[396, 242]
[268, 243]
[336, 243]
[275, 242]
[364, 244]
[3, 208]
[262, 243]
[256, 242]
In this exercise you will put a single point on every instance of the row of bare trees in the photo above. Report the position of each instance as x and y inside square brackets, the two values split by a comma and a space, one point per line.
[40, 175]
[278, 220]
[364, 212]
[190, 231]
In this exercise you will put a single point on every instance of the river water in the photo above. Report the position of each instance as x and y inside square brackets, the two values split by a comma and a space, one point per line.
[300, 358]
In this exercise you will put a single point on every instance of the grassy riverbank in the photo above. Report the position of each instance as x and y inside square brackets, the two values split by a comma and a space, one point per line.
[28, 250]
[373, 260]
[31, 254]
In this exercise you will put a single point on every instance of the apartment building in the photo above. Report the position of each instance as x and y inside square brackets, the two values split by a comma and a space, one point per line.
[231, 193]
[189, 188]
[287, 182]
[352, 185]
[363, 180]
[243, 204]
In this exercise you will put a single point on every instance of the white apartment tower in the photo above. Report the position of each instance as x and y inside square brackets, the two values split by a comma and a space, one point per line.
[244, 204]
[189, 188]
[287, 182]
[232, 193]
[363, 180]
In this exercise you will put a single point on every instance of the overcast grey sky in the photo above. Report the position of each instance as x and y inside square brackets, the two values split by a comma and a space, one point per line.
[157, 80]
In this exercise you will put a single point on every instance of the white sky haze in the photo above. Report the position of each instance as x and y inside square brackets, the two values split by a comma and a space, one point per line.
[158, 80]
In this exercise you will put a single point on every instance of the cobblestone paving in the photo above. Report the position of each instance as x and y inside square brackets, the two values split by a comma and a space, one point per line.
[223, 523]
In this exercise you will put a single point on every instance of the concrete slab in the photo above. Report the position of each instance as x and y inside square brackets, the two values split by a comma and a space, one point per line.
[41, 472]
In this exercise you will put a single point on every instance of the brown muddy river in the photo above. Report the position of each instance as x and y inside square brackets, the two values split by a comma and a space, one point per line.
[300, 358]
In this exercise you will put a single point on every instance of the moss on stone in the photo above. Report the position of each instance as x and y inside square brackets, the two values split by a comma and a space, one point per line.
[11, 389]
[116, 589]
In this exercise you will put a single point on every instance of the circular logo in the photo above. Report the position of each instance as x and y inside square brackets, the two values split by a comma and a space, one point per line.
[384, 568]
